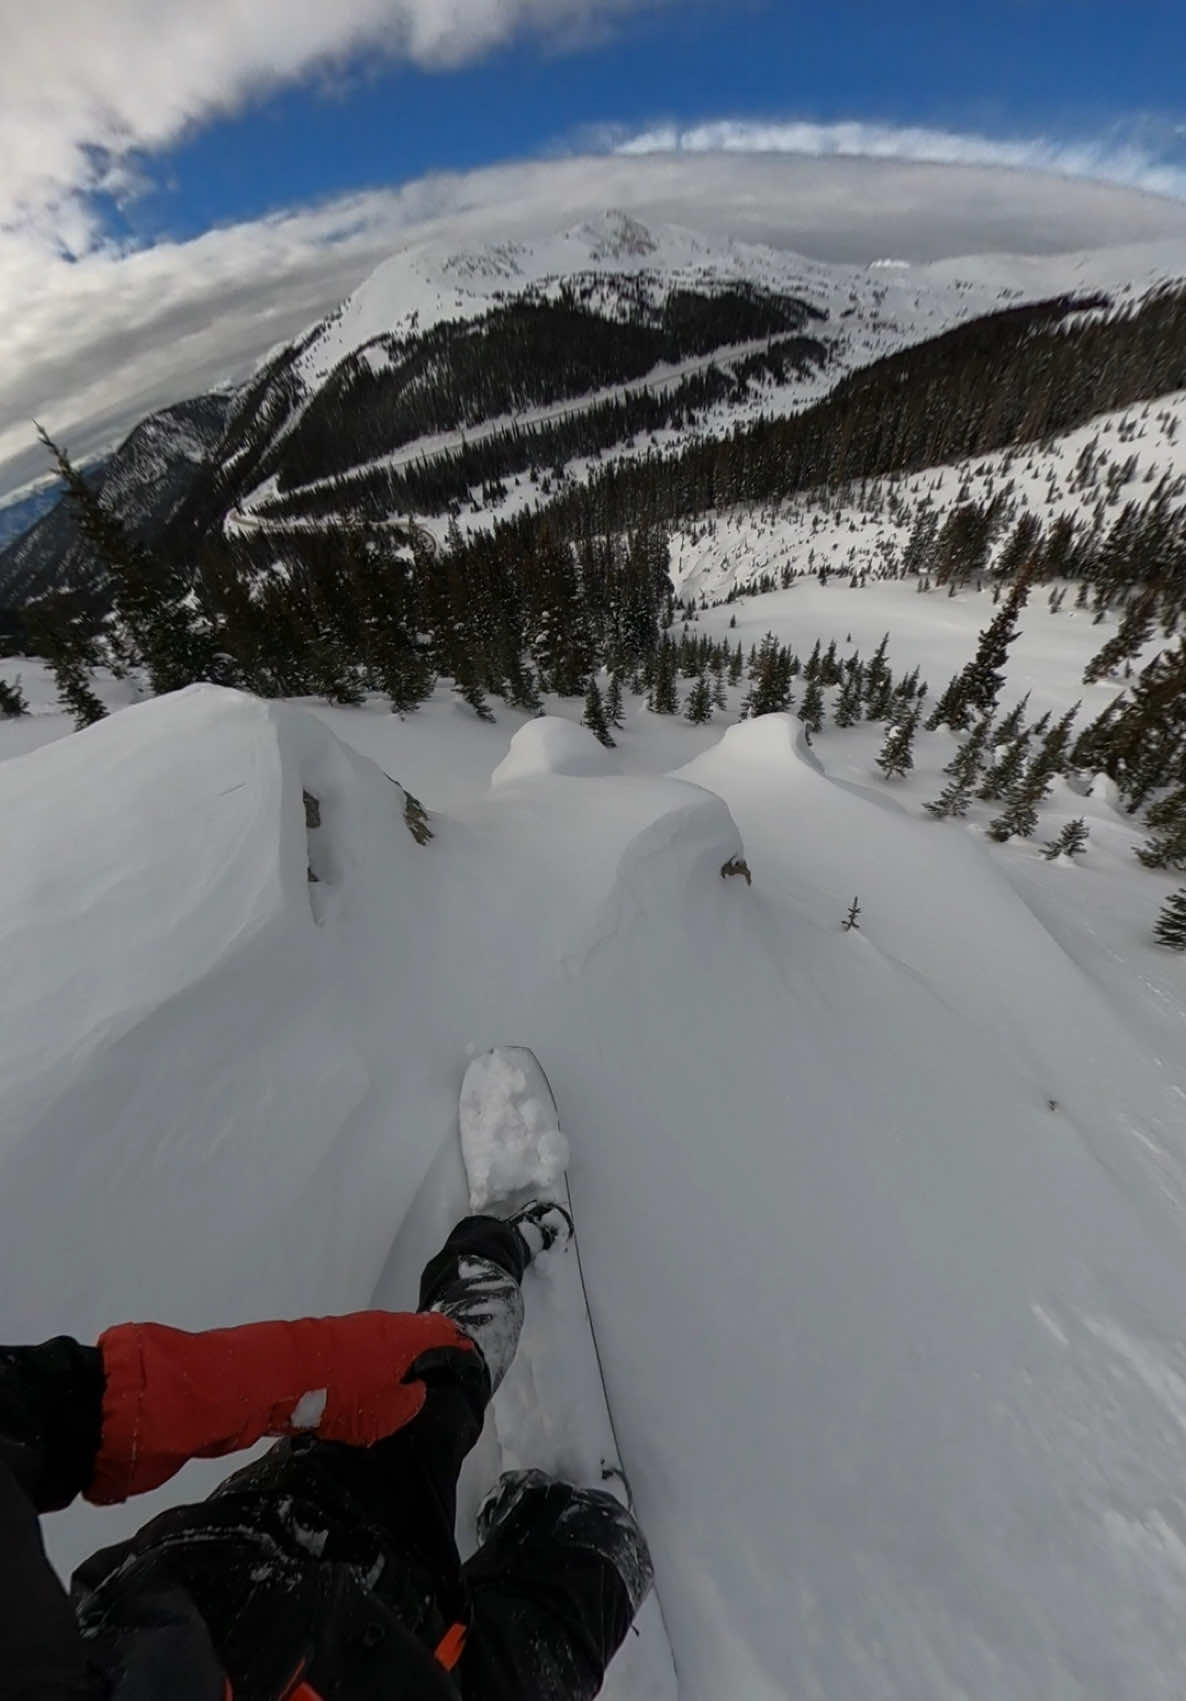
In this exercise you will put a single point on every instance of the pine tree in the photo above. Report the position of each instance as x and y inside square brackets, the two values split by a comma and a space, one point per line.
[1070, 842]
[12, 700]
[664, 697]
[982, 679]
[594, 716]
[852, 692]
[1006, 770]
[964, 769]
[736, 666]
[1167, 847]
[811, 710]
[469, 689]
[1011, 725]
[613, 701]
[720, 696]
[877, 675]
[897, 753]
[1171, 923]
[1135, 631]
[952, 708]
[75, 691]
[1019, 818]
[699, 705]
[770, 693]
[160, 619]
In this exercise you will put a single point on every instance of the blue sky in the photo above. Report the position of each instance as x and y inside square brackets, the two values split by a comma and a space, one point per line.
[1061, 69]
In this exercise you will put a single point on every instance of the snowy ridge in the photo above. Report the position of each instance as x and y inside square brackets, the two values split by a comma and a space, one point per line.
[431, 280]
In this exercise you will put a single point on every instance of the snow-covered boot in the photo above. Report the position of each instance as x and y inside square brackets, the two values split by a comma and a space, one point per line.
[507, 1492]
[541, 1224]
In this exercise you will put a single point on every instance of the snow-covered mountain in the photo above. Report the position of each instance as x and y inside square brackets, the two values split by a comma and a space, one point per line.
[143, 481]
[464, 381]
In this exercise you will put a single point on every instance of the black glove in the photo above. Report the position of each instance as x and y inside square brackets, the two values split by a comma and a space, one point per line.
[51, 1413]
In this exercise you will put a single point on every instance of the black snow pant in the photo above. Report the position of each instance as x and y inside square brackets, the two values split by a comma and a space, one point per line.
[550, 1596]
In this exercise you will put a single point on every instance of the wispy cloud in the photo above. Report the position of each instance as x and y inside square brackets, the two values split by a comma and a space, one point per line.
[88, 85]
[1123, 155]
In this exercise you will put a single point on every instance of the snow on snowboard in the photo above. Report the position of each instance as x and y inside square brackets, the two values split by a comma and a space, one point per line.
[552, 1410]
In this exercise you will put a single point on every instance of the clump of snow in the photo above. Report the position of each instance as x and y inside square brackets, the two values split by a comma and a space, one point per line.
[309, 1409]
[551, 745]
[509, 1134]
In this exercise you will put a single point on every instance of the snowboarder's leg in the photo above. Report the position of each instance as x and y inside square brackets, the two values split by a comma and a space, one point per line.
[406, 1486]
[554, 1589]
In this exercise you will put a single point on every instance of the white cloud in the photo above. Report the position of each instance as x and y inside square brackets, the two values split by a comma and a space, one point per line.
[1113, 158]
[86, 84]
[91, 346]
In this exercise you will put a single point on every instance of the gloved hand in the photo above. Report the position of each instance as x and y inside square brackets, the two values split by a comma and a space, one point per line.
[172, 1396]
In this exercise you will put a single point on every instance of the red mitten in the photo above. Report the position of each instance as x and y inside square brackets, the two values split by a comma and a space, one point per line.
[172, 1396]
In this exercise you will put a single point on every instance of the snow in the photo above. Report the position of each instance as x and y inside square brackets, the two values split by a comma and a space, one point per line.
[310, 1409]
[509, 1140]
[882, 1230]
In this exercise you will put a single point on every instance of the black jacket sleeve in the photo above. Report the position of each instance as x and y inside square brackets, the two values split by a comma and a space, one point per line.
[51, 1403]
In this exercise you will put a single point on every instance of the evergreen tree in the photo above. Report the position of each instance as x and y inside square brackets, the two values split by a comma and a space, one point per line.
[664, 697]
[1005, 772]
[699, 706]
[613, 702]
[952, 708]
[770, 693]
[1135, 631]
[594, 716]
[1021, 548]
[720, 696]
[1070, 842]
[877, 678]
[897, 753]
[59, 629]
[160, 619]
[1171, 923]
[982, 679]
[75, 691]
[919, 554]
[469, 688]
[852, 692]
[811, 710]
[964, 770]
[12, 700]
[1167, 847]
[1011, 725]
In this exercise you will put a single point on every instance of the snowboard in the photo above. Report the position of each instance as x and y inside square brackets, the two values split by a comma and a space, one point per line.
[552, 1410]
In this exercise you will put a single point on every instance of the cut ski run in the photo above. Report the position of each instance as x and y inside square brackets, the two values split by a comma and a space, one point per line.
[551, 1411]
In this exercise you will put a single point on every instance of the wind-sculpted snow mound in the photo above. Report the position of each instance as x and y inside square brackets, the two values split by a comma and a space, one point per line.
[171, 1026]
[550, 745]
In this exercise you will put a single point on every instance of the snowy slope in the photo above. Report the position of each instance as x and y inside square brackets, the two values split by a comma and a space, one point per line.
[883, 1230]
[865, 529]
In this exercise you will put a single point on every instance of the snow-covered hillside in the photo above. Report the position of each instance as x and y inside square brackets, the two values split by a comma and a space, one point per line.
[1088, 475]
[882, 1228]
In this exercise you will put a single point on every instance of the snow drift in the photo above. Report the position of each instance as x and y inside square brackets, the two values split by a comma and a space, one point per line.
[882, 1229]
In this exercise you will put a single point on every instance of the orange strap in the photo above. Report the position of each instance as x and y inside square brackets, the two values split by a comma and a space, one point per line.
[449, 1649]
